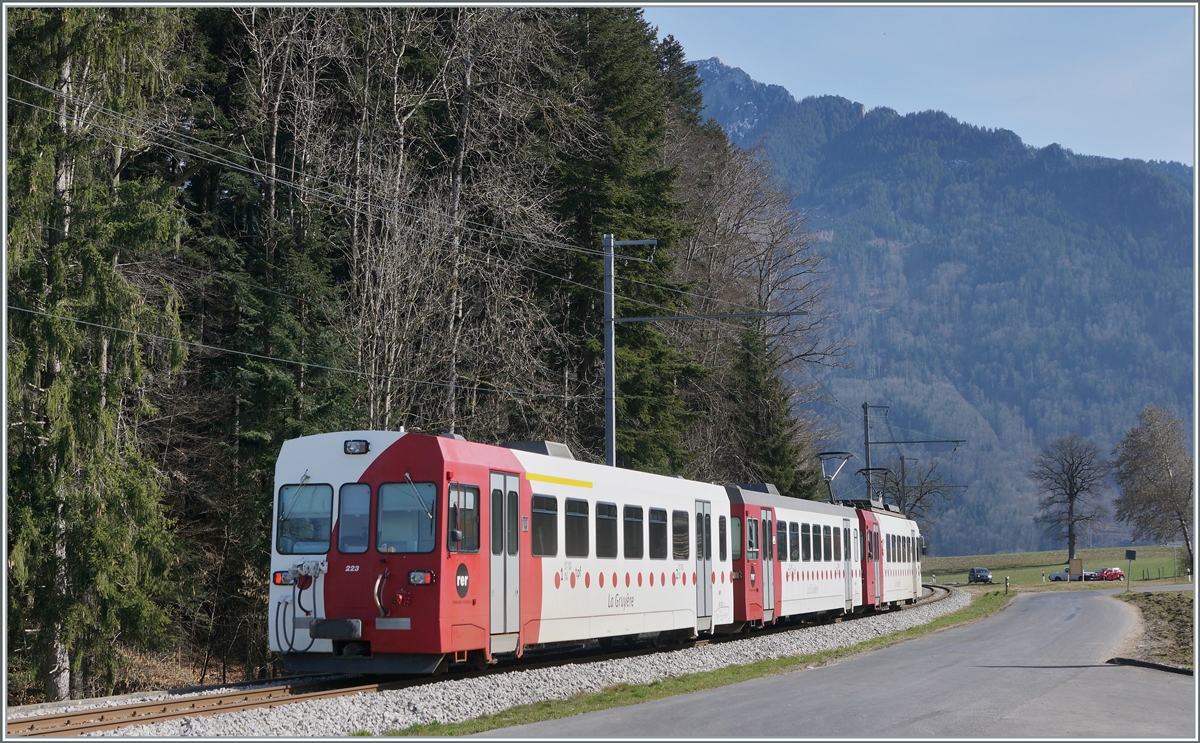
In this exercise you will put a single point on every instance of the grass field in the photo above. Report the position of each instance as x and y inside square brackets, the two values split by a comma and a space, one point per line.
[1025, 569]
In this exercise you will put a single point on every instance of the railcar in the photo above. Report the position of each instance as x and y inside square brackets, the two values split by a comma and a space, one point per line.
[398, 552]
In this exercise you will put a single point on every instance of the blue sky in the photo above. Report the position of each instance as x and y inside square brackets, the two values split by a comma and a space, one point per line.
[1111, 81]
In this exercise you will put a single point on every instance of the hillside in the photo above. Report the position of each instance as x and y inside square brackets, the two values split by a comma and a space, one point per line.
[991, 291]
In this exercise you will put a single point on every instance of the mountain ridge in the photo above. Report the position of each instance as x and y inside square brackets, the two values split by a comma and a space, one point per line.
[1051, 290]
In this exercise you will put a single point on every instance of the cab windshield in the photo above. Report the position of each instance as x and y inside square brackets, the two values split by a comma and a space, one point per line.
[405, 520]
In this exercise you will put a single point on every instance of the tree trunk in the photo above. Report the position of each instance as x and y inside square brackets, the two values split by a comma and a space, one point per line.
[456, 221]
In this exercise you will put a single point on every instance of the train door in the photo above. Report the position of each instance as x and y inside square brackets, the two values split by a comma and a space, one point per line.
[506, 567]
[877, 599]
[704, 571]
[848, 565]
[914, 562]
[768, 565]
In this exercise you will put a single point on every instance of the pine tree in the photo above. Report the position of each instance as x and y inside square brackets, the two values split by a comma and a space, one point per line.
[89, 334]
[622, 188]
[769, 447]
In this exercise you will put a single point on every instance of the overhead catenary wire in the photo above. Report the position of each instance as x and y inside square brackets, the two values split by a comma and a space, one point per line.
[351, 204]
[294, 362]
[168, 136]
[184, 140]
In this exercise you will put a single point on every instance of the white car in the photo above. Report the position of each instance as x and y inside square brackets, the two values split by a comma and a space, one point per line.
[1062, 575]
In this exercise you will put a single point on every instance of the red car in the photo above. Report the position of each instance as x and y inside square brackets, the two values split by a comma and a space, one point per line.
[1110, 574]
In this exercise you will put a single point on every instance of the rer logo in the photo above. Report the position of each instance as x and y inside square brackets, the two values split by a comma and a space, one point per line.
[462, 581]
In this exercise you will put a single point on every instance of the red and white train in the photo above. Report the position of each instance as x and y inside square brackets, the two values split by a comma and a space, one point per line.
[399, 552]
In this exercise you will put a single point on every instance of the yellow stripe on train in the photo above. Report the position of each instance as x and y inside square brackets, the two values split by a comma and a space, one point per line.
[557, 480]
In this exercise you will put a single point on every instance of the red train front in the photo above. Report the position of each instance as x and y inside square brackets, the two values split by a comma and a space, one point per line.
[402, 585]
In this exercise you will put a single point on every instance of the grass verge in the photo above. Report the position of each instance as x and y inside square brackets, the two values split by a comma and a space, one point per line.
[623, 695]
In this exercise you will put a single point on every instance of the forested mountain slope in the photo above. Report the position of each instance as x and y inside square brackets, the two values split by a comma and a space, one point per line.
[991, 291]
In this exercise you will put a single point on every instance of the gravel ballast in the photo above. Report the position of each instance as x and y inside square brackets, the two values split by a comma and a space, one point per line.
[462, 699]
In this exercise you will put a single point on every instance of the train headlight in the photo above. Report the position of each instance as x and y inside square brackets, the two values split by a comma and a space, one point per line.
[421, 577]
[356, 446]
[283, 578]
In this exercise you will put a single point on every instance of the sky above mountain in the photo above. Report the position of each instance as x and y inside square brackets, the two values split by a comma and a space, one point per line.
[1112, 81]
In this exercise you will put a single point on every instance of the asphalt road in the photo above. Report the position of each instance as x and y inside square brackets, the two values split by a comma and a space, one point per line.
[1035, 669]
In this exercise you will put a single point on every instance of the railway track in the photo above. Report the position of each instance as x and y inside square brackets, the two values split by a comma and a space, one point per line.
[97, 719]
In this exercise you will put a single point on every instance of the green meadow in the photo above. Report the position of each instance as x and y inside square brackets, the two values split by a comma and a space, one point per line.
[1025, 569]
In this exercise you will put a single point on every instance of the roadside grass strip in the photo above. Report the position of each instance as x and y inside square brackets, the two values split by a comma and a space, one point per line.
[621, 695]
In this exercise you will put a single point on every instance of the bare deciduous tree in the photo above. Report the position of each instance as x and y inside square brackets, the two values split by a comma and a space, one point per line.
[921, 493]
[748, 252]
[1154, 472]
[1070, 474]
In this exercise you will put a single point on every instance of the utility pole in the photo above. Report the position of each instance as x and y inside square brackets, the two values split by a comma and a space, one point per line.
[610, 361]
[610, 342]
[610, 321]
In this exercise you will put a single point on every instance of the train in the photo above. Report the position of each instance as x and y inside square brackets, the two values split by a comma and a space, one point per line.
[406, 552]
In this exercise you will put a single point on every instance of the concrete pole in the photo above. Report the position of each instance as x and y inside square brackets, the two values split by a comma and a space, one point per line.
[867, 446]
[610, 361]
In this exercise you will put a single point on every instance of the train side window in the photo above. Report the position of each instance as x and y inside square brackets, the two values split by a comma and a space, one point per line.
[782, 541]
[405, 519]
[543, 537]
[497, 521]
[805, 544]
[707, 536]
[721, 538]
[794, 530]
[679, 535]
[577, 528]
[827, 538]
[737, 537]
[463, 515]
[354, 518]
[514, 519]
[837, 544]
[846, 543]
[606, 530]
[658, 534]
[816, 542]
[751, 539]
[633, 532]
[305, 515]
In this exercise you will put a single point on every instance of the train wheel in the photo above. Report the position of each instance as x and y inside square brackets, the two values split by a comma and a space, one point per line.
[477, 660]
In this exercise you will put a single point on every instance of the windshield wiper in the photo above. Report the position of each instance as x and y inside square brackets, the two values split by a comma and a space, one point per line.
[421, 502]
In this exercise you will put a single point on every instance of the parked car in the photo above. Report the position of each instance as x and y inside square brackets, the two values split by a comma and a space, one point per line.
[979, 575]
[1062, 575]
[1110, 574]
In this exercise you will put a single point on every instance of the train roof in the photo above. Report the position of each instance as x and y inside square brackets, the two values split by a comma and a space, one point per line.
[740, 494]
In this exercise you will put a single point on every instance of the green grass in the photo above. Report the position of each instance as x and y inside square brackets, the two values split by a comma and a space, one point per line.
[625, 694]
[1025, 568]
